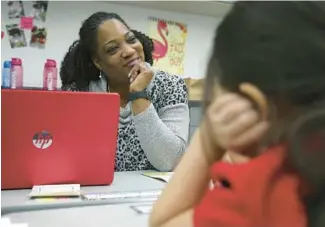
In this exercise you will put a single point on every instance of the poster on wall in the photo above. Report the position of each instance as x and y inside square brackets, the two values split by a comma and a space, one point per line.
[15, 9]
[169, 39]
[39, 10]
[16, 36]
[26, 22]
[38, 37]
[2, 33]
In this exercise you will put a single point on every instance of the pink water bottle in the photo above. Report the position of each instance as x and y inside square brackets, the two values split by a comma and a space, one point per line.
[16, 73]
[50, 75]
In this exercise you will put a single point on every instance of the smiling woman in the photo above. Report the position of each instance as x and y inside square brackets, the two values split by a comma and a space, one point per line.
[154, 115]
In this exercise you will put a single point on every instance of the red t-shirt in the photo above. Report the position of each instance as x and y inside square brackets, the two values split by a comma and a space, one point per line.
[261, 194]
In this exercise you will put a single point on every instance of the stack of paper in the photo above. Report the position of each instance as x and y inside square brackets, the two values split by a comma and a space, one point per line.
[60, 190]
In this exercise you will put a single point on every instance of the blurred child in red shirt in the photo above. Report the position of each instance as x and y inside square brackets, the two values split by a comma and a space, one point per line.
[277, 49]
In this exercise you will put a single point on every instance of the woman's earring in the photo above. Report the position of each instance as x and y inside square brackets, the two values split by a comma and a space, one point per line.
[102, 74]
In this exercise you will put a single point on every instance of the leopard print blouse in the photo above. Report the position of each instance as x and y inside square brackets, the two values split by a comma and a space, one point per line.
[166, 91]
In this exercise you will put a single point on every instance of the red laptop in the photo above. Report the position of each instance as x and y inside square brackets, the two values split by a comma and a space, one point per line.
[57, 138]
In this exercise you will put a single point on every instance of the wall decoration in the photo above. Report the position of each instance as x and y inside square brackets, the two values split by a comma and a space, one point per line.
[16, 36]
[40, 10]
[15, 9]
[38, 37]
[2, 33]
[169, 39]
[26, 22]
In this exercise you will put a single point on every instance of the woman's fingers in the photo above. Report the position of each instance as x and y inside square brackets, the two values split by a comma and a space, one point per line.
[231, 111]
[134, 72]
[142, 67]
[249, 137]
[241, 123]
[220, 102]
[137, 70]
[235, 123]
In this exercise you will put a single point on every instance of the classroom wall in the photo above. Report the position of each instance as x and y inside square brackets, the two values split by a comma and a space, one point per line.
[63, 22]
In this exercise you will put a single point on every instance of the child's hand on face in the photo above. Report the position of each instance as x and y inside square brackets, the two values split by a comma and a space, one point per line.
[234, 123]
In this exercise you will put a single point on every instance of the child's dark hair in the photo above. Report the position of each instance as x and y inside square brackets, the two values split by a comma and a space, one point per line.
[77, 65]
[280, 48]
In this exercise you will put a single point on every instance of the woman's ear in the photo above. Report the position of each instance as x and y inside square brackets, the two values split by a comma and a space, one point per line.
[257, 96]
[97, 64]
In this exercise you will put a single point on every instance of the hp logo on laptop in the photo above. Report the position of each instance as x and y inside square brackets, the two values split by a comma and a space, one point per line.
[42, 140]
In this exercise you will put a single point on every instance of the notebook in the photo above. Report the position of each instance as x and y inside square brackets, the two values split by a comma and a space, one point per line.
[61, 190]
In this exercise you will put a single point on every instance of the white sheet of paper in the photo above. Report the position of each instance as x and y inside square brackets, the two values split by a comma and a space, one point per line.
[55, 190]
[122, 195]
[142, 209]
[19, 225]
[164, 176]
[5, 222]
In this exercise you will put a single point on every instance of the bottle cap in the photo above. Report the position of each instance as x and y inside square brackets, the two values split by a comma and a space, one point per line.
[51, 63]
[16, 61]
[7, 64]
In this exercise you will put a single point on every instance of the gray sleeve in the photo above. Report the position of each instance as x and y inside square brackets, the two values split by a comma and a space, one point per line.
[163, 135]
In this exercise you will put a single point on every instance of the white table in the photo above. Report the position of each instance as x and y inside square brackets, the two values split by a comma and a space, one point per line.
[17, 200]
[100, 216]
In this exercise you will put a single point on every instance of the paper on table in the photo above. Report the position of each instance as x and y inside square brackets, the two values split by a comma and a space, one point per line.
[142, 209]
[122, 195]
[55, 190]
[18, 225]
[51, 199]
[5, 222]
[163, 176]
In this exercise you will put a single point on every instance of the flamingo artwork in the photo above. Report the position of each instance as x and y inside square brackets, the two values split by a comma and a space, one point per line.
[2, 34]
[160, 49]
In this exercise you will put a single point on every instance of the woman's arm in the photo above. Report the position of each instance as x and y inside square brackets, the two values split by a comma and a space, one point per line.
[163, 135]
[188, 186]
[185, 219]
[189, 183]
[185, 189]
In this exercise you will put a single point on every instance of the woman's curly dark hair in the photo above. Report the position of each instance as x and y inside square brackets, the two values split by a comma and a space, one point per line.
[77, 66]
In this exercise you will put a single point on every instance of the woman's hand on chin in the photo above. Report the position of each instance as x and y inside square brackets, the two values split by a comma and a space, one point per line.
[140, 77]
